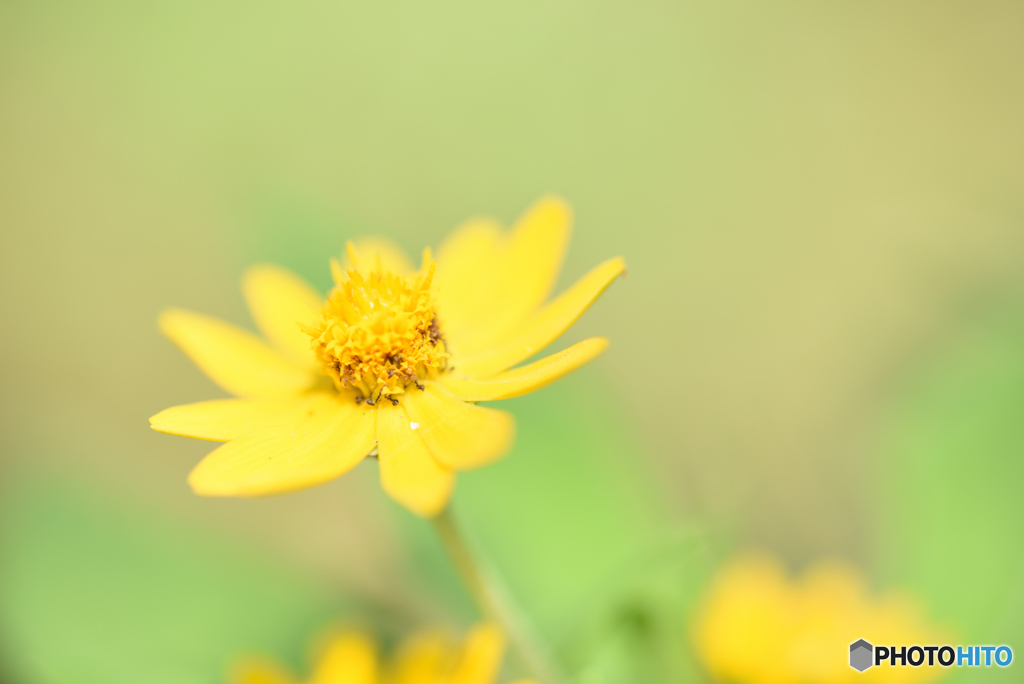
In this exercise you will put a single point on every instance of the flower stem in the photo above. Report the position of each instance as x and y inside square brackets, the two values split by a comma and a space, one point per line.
[493, 600]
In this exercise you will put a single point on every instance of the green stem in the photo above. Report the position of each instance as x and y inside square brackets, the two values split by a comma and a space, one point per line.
[493, 601]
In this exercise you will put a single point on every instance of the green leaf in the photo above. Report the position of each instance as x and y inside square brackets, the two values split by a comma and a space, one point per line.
[642, 632]
[950, 471]
[98, 590]
[563, 517]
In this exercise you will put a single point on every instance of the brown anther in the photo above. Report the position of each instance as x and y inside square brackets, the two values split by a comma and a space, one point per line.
[434, 332]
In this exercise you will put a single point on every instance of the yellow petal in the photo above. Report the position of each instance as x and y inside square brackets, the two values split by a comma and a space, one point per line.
[279, 301]
[465, 277]
[222, 420]
[459, 435]
[425, 659]
[481, 657]
[327, 439]
[544, 326]
[349, 659]
[373, 254]
[408, 473]
[525, 379]
[258, 671]
[235, 359]
[534, 253]
[512, 278]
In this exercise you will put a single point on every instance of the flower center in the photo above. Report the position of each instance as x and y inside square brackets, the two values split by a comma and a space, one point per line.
[378, 333]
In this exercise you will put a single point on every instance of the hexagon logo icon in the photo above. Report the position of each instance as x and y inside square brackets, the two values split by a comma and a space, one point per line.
[861, 655]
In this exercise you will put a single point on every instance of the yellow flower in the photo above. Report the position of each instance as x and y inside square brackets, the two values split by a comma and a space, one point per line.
[390, 363]
[351, 658]
[758, 626]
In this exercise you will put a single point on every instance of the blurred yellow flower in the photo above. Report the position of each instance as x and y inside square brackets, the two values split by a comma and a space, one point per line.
[351, 658]
[390, 363]
[758, 626]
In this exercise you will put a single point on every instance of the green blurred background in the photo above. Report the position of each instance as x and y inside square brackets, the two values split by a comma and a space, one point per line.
[819, 348]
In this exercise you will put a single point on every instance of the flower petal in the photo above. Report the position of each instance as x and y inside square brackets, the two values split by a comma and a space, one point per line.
[279, 301]
[481, 656]
[325, 441]
[512, 276]
[465, 272]
[525, 379]
[545, 326]
[373, 254]
[534, 252]
[259, 671]
[424, 658]
[460, 436]
[408, 473]
[222, 420]
[350, 658]
[235, 359]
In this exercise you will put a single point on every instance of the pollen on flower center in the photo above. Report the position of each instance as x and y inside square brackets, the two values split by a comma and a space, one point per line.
[378, 331]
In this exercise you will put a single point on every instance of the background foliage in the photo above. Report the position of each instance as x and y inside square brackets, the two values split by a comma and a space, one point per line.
[818, 348]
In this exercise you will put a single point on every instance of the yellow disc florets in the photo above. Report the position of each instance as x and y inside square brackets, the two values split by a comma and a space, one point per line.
[378, 331]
